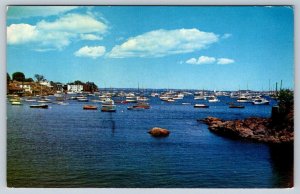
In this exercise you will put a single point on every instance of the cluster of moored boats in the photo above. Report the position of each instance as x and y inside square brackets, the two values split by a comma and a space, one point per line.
[137, 101]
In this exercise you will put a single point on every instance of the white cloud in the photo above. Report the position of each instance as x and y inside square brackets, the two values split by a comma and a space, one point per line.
[160, 43]
[90, 37]
[56, 34]
[201, 60]
[17, 12]
[21, 33]
[209, 60]
[92, 52]
[74, 23]
[225, 61]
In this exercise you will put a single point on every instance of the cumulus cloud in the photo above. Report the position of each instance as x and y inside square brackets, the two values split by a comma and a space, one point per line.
[92, 52]
[90, 37]
[16, 12]
[225, 61]
[21, 33]
[58, 33]
[201, 60]
[160, 43]
[209, 60]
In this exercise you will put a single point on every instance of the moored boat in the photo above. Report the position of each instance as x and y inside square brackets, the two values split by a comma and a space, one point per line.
[139, 106]
[213, 99]
[16, 103]
[108, 108]
[260, 101]
[236, 106]
[39, 106]
[201, 106]
[90, 107]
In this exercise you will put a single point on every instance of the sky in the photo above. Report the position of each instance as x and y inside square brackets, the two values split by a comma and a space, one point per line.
[179, 47]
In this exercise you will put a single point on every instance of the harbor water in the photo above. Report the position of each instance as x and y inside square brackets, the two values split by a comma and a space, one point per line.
[66, 146]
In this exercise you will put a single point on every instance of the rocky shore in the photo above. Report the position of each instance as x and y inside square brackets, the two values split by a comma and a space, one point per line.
[257, 129]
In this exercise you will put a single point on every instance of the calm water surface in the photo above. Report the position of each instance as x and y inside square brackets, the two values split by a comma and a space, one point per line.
[66, 146]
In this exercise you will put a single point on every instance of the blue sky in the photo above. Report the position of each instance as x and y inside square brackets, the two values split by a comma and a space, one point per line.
[184, 47]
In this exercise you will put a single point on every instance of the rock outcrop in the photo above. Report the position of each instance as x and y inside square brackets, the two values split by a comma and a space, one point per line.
[159, 132]
[257, 129]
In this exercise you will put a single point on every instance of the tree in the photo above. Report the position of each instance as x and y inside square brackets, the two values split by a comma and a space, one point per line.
[18, 76]
[28, 79]
[39, 77]
[8, 78]
[286, 101]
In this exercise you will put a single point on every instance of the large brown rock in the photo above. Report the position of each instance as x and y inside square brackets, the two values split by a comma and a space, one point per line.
[159, 132]
[258, 129]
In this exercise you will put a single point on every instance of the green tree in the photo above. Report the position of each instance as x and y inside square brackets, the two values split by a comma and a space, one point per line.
[285, 101]
[8, 78]
[28, 79]
[39, 77]
[18, 76]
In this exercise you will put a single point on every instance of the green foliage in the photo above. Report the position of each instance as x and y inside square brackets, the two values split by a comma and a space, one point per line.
[285, 101]
[18, 76]
[28, 79]
[39, 77]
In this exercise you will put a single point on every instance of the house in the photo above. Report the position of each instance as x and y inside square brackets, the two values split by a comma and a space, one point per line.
[26, 87]
[45, 83]
[75, 88]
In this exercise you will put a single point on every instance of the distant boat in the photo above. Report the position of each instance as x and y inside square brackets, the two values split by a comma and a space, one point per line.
[39, 106]
[16, 103]
[213, 99]
[236, 106]
[198, 97]
[201, 106]
[170, 100]
[186, 103]
[140, 105]
[108, 108]
[260, 101]
[243, 99]
[131, 99]
[90, 107]
[62, 103]
[108, 105]
[30, 100]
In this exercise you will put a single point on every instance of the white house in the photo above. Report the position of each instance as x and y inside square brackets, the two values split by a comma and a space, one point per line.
[26, 87]
[75, 88]
[45, 83]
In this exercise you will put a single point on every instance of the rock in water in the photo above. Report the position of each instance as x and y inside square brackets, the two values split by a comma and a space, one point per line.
[159, 132]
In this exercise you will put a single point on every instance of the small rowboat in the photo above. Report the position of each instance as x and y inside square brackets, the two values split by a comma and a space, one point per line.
[39, 106]
[90, 107]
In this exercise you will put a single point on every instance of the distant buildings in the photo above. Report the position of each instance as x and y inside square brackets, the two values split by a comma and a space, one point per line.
[74, 88]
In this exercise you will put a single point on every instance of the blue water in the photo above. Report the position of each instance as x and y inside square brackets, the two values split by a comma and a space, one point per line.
[66, 146]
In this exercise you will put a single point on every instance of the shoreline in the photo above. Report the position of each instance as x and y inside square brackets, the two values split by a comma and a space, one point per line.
[255, 129]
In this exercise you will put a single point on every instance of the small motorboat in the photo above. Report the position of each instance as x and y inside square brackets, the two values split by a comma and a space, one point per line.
[260, 101]
[201, 106]
[213, 99]
[16, 103]
[39, 106]
[90, 107]
[108, 108]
